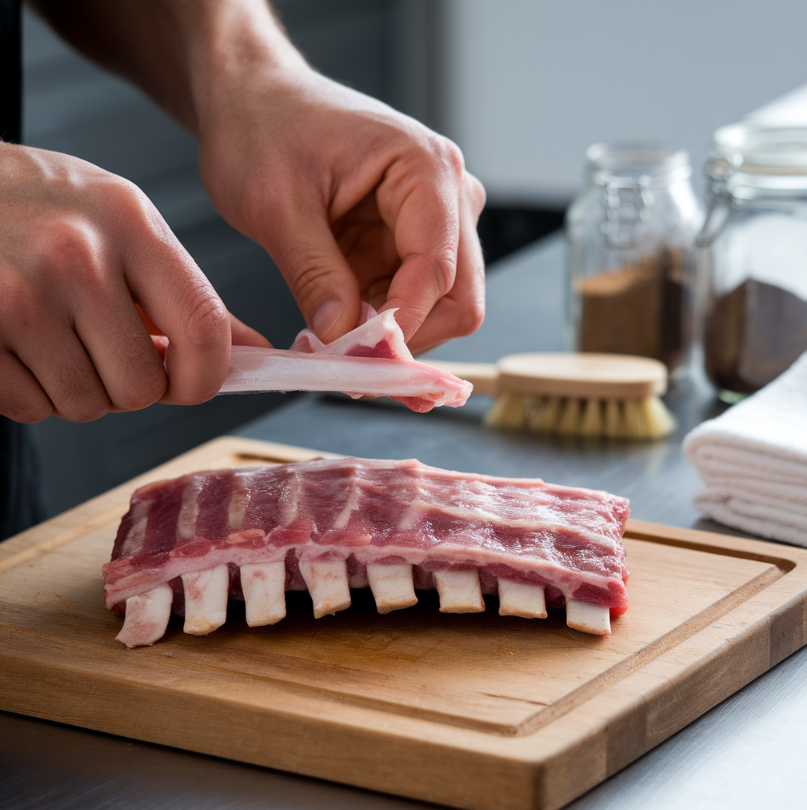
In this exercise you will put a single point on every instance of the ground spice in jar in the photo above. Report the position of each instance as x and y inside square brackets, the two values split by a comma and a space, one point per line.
[753, 334]
[643, 308]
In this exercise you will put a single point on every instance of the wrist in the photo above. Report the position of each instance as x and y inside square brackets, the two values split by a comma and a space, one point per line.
[229, 48]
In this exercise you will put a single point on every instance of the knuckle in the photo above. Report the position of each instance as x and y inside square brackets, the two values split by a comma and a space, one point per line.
[472, 318]
[130, 208]
[17, 304]
[477, 193]
[307, 274]
[449, 155]
[76, 396]
[117, 194]
[206, 320]
[144, 384]
[74, 248]
[454, 158]
[444, 266]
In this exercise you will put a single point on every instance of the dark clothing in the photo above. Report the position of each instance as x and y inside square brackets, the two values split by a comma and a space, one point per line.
[10, 71]
[21, 501]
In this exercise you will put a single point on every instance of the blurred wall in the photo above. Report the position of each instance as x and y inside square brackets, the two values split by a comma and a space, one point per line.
[527, 85]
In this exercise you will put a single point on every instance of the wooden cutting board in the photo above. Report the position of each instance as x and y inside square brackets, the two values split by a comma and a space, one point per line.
[472, 711]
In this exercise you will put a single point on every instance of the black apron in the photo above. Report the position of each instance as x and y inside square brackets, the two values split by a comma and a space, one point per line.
[10, 71]
[21, 501]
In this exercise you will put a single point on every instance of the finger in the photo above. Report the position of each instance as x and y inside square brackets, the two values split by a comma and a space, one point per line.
[462, 311]
[243, 335]
[320, 278]
[182, 304]
[22, 398]
[118, 342]
[427, 230]
[60, 364]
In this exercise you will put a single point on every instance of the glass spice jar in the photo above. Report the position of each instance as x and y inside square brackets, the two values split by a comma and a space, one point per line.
[631, 234]
[754, 255]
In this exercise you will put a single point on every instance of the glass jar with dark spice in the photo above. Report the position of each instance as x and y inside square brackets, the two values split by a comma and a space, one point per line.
[631, 234]
[754, 253]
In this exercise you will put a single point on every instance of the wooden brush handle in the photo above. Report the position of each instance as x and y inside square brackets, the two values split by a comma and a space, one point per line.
[483, 376]
[586, 375]
[564, 374]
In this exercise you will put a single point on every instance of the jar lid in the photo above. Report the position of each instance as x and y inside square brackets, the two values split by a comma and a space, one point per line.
[641, 162]
[759, 149]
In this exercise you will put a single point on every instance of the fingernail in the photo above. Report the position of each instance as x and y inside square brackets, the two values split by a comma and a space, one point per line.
[326, 316]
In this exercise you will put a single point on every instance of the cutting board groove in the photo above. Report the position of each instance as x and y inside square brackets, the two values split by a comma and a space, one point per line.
[472, 711]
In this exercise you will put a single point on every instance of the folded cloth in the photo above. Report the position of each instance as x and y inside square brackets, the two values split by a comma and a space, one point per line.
[753, 460]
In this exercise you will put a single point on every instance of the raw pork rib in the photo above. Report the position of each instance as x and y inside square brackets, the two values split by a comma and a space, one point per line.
[331, 525]
[372, 360]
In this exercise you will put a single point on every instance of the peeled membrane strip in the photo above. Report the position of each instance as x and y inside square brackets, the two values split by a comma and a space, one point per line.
[460, 591]
[264, 586]
[392, 586]
[206, 594]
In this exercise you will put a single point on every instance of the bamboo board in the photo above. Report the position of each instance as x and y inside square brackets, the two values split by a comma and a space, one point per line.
[472, 711]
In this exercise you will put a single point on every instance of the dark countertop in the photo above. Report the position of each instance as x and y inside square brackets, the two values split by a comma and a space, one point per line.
[747, 752]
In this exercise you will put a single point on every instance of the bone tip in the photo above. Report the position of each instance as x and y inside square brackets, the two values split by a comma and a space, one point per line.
[263, 621]
[330, 608]
[588, 618]
[132, 643]
[203, 625]
[464, 607]
[388, 607]
[524, 614]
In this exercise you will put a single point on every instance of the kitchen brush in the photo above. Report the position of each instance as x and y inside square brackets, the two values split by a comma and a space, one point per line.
[573, 394]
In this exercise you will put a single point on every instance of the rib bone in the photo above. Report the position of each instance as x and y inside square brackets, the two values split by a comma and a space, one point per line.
[588, 617]
[521, 599]
[206, 595]
[327, 584]
[392, 586]
[264, 586]
[147, 616]
[459, 591]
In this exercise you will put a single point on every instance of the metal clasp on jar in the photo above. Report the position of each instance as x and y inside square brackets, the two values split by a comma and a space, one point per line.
[627, 205]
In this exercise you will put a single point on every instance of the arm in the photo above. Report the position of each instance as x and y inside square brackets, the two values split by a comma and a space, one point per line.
[352, 199]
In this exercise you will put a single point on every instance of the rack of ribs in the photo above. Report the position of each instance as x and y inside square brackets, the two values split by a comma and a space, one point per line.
[326, 526]
[372, 360]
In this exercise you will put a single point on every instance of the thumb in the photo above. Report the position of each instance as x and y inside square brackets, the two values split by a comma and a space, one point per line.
[319, 276]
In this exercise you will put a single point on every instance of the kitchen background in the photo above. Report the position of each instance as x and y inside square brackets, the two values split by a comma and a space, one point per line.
[522, 86]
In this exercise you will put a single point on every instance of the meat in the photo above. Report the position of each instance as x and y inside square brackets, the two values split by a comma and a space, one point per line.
[327, 526]
[372, 360]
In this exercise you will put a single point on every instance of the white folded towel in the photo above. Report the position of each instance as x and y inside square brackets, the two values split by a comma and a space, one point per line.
[753, 460]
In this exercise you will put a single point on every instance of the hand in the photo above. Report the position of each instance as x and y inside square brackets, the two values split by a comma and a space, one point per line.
[95, 291]
[353, 200]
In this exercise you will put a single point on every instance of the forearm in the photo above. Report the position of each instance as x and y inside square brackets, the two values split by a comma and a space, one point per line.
[183, 53]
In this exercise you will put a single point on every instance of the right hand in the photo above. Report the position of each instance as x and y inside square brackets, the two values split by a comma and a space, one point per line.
[95, 291]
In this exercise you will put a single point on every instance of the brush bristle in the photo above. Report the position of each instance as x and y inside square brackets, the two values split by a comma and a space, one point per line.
[507, 412]
[646, 418]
